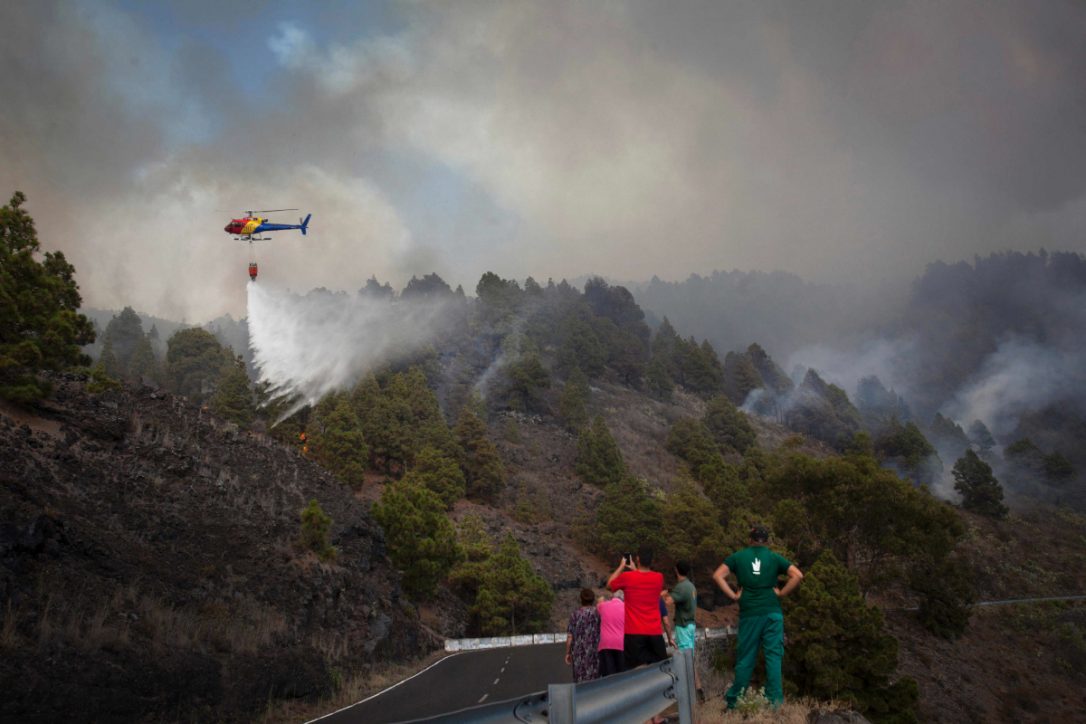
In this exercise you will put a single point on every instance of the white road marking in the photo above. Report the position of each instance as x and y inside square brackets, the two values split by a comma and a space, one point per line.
[483, 698]
[404, 681]
[502, 671]
[495, 681]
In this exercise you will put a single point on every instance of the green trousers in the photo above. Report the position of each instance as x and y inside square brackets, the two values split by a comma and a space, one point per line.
[766, 632]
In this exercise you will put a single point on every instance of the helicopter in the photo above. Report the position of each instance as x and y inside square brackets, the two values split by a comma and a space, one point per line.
[250, 227]
[251, 224]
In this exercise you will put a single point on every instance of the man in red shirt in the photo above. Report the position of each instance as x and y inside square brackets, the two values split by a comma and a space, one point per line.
[643, 639]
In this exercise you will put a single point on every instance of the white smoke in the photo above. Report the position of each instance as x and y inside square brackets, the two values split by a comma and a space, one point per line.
[308, 346]
[1021, 376]
[846, 367]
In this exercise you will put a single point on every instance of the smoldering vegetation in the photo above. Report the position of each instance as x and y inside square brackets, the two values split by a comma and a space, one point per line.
[980, 357]
[986, 356]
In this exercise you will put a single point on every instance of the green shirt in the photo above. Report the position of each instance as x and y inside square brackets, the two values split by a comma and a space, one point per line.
[685, 597]
[757, 569]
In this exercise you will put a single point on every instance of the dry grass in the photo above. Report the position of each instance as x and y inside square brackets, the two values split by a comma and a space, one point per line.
[128, 615]
[242, 627]
[792, 712]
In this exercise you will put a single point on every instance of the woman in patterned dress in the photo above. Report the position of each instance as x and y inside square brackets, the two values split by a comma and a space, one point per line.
[583, 639]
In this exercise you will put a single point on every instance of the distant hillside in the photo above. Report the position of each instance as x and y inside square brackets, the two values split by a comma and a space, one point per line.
[996, 341]
[780, 311]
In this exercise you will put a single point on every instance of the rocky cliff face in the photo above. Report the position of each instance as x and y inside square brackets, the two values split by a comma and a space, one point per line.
[149, 566]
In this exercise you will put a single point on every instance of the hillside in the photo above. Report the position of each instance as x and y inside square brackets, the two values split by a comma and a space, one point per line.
[149, 568]
[503, 451]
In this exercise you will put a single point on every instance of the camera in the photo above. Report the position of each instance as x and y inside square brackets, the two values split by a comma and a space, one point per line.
[628, 557]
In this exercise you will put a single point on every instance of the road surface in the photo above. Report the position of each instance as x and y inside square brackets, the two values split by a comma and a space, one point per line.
[462, 680]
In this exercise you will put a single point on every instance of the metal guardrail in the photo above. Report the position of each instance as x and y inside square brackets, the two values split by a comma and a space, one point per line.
[632, 696]
[497, 642]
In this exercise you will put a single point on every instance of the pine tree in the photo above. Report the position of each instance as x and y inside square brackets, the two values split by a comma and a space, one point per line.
[729, 426]
[689, 523]
[399, 419]
[580, 347]
[194, 362]
[573, 403]
[628, 516]
[723, 484]
[740, 377]
[512, 598]
[980, 490]
[599, 461]
[526, 378]
[421, 540]
[658, 380]
[40, 327]
[838, 650]
[438, 471]
[336, 441]
[483, 469]
[142, 366]
[233, 399]
[108, 361]
[945, 595]
[690, 440]
[476, 550]
[124, 334]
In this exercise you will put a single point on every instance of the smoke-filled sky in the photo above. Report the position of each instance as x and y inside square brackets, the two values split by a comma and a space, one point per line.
[837, 140]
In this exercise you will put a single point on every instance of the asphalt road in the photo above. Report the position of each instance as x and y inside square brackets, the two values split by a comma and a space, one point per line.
[462, 680]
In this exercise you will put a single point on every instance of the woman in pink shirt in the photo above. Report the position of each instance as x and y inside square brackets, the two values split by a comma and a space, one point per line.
[612, 628]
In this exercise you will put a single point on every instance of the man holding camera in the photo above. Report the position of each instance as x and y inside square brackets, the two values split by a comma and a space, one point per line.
[643, 640]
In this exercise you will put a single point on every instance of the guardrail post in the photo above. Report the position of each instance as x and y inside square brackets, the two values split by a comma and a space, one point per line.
[562, 704]
[683, 668]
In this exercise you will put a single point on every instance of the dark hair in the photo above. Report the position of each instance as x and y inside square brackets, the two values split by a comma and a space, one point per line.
[682, 568]
[759, 534]
[644, 556]
[587, 596]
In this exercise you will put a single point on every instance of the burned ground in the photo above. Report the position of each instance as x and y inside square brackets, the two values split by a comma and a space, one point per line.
[149, 566]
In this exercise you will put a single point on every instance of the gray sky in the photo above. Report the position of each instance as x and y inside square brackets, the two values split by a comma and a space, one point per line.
[836, 140]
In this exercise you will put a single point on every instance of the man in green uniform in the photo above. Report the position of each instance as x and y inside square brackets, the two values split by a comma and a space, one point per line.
[761, 622]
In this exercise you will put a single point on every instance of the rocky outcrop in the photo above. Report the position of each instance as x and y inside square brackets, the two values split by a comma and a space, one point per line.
[148, 566]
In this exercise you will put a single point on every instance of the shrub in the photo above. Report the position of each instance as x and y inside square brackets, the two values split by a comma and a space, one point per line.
[314, 534]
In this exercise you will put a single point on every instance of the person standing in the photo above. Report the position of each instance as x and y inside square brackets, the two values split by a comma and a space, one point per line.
[761, 621]
[612, 628]
[643, 638]
[583, 639]
[684, 597]
[665, 623]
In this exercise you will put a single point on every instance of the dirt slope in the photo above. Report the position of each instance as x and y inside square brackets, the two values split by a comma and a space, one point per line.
[148, 568]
